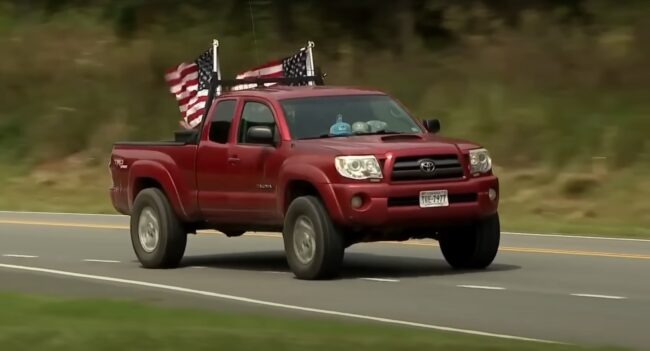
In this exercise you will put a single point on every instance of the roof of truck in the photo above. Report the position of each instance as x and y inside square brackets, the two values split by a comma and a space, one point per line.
[281, 92]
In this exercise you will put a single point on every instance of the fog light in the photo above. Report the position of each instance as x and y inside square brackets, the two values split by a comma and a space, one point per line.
[356, 202]
[492, 194]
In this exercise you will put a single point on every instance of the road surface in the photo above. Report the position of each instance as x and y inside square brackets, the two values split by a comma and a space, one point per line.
[566, 289]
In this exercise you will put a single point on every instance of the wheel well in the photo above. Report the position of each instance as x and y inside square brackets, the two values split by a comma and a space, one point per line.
[297, 188]
[144, 183]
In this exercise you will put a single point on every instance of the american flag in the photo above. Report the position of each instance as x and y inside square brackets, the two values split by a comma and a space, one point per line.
[293, 66]
[190, 83]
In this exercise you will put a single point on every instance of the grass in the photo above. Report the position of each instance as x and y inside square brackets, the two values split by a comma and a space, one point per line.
[592, 202]
[47, 323]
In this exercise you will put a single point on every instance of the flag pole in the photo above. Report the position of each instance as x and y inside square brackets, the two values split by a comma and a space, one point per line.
[310, 61]
[216, 76]
[215, 63]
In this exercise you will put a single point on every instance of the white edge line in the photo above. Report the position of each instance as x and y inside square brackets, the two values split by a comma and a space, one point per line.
[101, 261]
[611, 297]
[381, 280]
[559, 235]
[481, 287]
[19, 256]
[271, 304]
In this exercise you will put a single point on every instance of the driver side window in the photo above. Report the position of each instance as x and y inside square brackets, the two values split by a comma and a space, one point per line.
[255, 114]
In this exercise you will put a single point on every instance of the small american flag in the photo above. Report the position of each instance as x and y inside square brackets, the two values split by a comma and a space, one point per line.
[190, 83]
[294, 66]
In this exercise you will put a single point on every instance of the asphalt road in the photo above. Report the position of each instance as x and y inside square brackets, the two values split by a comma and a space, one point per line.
[566, 289]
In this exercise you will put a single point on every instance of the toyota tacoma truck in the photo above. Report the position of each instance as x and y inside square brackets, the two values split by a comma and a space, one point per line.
[326, 166]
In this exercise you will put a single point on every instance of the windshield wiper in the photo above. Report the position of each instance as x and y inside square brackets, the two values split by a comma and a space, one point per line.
[379, 132]
[383, 131]
[323, 136]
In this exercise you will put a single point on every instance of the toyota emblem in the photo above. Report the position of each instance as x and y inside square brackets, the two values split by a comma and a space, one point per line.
[427, 166]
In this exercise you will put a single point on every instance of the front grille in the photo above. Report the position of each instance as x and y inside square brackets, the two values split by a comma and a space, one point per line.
[408, 168]
[415, 200]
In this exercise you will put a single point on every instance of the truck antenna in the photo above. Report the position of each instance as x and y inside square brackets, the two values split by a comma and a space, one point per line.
[250, 9]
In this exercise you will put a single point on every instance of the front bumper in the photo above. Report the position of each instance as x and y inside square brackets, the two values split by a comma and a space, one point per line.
[389, 205]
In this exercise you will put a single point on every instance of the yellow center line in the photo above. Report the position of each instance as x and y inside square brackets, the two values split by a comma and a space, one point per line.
[432, 244]
[68, 225]
[575, 252]
[546, 251]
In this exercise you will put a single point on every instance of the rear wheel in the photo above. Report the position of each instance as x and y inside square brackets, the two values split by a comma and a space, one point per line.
[313, 244]
[157, 235]
[474, 246]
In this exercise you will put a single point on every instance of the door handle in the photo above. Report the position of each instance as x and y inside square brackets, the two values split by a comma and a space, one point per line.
[233, 160]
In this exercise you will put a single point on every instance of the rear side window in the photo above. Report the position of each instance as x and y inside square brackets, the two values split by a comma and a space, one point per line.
[220, 125]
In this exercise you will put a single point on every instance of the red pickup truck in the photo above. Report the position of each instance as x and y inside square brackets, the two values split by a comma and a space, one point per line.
[326, 166]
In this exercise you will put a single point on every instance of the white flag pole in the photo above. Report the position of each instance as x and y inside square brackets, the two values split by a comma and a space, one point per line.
[215, 63]
[216, 74]
[310, 61]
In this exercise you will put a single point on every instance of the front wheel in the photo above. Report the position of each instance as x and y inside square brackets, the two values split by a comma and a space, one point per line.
[474, 246]
[313, 244]
[157, 235]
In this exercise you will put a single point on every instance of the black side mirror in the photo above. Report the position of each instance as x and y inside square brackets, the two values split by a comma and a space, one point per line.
[260, 135]
[432, 125]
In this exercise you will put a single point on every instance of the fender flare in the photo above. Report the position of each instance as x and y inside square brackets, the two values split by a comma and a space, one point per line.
[316, 177]
[149, 169]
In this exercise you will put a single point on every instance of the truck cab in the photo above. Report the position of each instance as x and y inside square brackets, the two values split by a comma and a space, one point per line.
[328, 167]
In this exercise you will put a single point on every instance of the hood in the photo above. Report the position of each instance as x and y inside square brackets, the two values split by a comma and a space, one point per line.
[384, 144]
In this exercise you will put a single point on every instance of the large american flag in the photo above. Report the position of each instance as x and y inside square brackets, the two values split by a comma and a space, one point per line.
[294, 66]
[190, 83]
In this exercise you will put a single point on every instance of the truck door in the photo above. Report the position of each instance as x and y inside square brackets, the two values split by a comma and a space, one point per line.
[253, 197]
[212, 162]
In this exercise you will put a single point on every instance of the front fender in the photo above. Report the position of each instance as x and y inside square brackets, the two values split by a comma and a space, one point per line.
[316, 177]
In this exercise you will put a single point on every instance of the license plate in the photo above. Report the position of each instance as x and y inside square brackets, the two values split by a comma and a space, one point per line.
[434, 198]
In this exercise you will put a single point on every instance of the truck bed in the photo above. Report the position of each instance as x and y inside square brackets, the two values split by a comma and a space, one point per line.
[169, 165]
[150, 143]
[181, 137]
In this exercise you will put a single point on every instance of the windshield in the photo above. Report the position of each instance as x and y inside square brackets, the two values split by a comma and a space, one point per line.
[330, 116]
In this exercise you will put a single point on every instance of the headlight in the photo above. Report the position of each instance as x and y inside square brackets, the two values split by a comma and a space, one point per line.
[358, 167]
[479, 161]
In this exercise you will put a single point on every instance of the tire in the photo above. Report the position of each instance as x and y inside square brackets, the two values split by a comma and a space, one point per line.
[167, 251]
[327, 246]
[472, 247]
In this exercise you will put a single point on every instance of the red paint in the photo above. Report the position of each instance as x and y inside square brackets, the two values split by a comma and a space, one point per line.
[218, 183]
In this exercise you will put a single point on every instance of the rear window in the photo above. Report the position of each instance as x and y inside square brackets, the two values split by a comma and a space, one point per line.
[220, 125]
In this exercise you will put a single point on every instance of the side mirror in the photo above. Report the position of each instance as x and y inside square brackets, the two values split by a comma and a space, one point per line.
[432, 125]
[260, 135]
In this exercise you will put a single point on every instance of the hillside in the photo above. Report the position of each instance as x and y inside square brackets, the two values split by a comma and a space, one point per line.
[559, 94]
